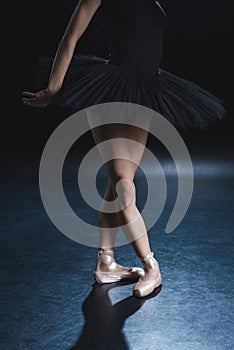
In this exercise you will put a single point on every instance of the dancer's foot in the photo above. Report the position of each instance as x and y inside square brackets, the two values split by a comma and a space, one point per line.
[152, 278]
[108, 271]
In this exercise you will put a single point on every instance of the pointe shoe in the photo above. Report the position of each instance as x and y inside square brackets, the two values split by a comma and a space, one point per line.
[144, 288]
[111, 272]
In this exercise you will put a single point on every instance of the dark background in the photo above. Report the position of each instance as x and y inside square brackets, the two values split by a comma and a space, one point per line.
[197, 46]
[45, 278]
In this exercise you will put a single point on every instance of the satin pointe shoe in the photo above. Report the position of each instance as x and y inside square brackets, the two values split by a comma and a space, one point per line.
[108, 271]
[147, 284]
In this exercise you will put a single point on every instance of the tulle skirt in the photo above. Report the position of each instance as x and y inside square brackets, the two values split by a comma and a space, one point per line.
[91, 80]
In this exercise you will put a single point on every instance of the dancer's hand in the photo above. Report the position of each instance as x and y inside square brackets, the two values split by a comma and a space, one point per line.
[39, 99]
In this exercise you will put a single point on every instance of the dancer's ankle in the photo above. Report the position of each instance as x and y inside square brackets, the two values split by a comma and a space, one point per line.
[149, 262]
[105, 261]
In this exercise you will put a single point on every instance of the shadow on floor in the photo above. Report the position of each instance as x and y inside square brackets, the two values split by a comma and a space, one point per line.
[104, 322]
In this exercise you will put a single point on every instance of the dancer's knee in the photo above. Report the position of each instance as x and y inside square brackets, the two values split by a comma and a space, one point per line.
[126, 191]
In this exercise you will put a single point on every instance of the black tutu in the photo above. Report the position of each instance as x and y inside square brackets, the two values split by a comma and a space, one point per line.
[91, 80]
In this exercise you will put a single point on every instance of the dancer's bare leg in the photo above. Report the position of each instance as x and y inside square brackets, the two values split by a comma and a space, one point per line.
[108, 220]
[122, 169]
[121, 173]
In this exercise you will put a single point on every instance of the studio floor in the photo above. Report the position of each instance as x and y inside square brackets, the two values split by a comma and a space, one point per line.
[49, 300]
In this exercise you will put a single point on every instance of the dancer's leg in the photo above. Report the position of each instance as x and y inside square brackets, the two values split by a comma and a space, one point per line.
[107, 270]
[121, 176]
[121, 181]
[107, 220]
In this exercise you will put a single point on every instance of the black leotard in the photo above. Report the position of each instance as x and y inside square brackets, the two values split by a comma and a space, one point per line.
[134, 31]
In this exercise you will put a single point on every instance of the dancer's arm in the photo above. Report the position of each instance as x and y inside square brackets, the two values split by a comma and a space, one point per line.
[77, 25]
